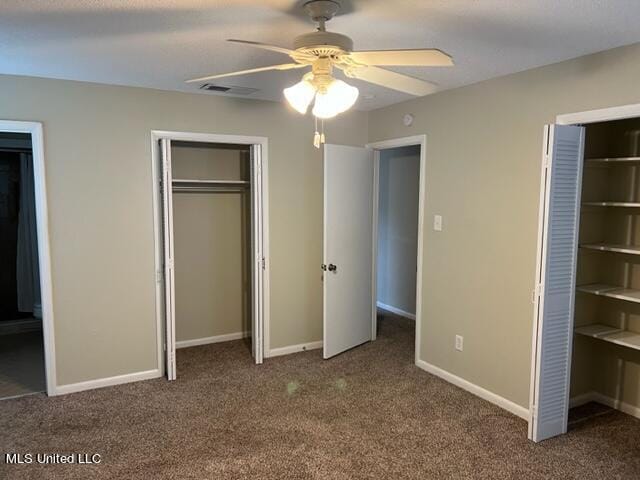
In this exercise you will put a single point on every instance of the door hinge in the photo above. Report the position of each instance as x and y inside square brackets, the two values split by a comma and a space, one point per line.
[324, 267]
[159, 275]
[534, 412]
[264, 263]
[536, 293]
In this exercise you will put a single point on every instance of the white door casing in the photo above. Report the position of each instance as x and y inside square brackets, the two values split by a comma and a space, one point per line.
[554, 296]
[257, 249]
[348, 247]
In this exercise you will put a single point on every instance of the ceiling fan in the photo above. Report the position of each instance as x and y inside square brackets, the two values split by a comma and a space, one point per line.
[324, 51]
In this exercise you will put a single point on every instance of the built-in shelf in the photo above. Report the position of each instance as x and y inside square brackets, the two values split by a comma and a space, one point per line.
[186, 181]
[611, 291]
[611, 334]
[612, 204]
[613, 161]
[605, 247]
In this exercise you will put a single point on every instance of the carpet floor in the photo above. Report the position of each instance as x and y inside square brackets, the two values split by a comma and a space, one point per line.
[21, 364]
[368, 413]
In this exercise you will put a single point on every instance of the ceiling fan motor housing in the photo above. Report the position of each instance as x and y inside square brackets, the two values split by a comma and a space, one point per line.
[323, 44]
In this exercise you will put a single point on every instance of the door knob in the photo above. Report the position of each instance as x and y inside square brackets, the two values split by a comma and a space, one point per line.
[333, 268]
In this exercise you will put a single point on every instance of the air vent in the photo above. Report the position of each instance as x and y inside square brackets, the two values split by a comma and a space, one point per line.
[231, 90]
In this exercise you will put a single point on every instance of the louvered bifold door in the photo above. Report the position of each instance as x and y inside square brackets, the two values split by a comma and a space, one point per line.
[563, 158]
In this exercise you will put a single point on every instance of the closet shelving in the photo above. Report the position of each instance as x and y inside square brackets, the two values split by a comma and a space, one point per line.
[603, 332]
[610, 334]
[192, 185]
[605, 247]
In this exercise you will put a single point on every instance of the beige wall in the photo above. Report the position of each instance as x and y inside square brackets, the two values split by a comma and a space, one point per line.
[483, 175]
[211, 245]
[98, 160]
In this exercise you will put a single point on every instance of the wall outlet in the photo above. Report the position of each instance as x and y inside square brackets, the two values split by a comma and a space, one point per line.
[459, 342]
[437, 223]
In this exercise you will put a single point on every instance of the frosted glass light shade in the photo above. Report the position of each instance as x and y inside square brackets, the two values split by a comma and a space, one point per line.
[300, 95]
[338, 98]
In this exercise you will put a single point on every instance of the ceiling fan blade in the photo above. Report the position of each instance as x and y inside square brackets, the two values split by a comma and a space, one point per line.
[431, 57]
[393, 80]
[284, 66]
[263, 46]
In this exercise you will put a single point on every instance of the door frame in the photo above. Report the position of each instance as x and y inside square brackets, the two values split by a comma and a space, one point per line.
[577, 118]
[263, 143]
[44, 250]
[415, 140]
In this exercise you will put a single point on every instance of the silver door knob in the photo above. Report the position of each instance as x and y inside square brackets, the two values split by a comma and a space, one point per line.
[333, 268]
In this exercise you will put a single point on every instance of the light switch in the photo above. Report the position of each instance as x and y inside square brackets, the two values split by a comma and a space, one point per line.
[437, 223]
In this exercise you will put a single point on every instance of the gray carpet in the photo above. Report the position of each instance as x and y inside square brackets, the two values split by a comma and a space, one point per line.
[369, 413]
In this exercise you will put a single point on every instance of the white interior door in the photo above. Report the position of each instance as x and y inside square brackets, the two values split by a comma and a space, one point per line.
[257, 248]
[169, 276]
[556, 277]
[348, 247]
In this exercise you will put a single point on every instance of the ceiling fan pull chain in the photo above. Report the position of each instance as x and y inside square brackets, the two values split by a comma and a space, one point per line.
[316, 135]
[322, 131]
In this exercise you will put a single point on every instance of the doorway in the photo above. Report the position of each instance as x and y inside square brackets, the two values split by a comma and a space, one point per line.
[351, 237]
[211, 242]
[26, 365]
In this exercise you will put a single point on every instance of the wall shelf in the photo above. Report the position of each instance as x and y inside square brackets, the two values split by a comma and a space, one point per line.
[615, 335]
[605, 247]
[611, 291]
[186, 181]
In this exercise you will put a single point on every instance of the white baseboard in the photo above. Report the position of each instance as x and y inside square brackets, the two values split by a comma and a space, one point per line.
[605, 400]
[397, 311]
[106, 382]
[276, 352]
[217, 339]
[502, 402]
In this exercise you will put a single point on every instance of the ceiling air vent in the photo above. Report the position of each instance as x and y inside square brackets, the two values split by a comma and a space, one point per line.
[230, 90]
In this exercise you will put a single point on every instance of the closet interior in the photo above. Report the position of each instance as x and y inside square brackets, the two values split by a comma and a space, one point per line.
[606, 348]
[22, 369]
[211, 197]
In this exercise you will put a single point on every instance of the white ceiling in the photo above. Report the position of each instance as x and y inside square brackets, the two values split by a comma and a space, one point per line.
[160, 43]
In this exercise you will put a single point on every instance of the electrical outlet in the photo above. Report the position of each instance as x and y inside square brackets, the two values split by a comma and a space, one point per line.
[459, 342]
[437, 223]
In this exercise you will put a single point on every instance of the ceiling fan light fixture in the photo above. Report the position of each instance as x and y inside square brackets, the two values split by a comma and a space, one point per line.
[338, 97]
[300, 95]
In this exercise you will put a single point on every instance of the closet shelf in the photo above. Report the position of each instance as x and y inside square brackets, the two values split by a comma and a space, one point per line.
[613, 160]
[611, 291]
[186, 181]
[605, 247]
[611, 334]
[612, 204]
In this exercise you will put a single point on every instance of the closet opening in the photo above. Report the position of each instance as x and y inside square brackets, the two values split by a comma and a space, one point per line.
[398, 182]
[586, 360]
[213, 254]
[22, 331]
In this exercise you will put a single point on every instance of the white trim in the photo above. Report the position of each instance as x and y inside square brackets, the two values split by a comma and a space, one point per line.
[605, 400]
[302, 347]
[478, 391]
[156, 135]
[395, 310]
[216, 339]
[600, 115]
[420, 140]
[44, 253]
[108, 382]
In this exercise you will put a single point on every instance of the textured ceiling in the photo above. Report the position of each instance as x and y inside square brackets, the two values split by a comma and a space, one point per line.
[159, 43]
